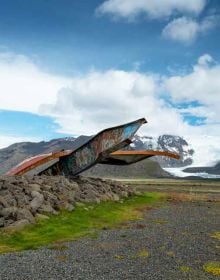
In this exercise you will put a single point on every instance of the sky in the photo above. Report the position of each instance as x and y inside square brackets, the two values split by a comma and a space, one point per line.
[75, 67]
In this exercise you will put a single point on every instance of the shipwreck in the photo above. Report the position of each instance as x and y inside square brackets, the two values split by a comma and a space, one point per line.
[106, 147]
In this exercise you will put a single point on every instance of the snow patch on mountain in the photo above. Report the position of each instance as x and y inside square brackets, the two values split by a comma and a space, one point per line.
[171, 143]
[178, 172]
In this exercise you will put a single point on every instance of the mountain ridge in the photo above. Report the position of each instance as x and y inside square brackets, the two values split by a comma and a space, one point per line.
[15, 153]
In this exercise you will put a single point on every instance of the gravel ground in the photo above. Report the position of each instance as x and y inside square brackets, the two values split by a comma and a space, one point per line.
[171, 242]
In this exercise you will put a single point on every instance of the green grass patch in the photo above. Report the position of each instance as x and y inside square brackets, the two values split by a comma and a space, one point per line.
[212, 268]
[216, 235]
[80, 223]
[185, 269]
[143, 254]
[161, 222]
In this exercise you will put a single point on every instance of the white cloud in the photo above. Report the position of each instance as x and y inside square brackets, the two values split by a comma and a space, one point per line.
[102, 99]
[152, 8]
[205, 60]
[88, 103]
[202, 85]
[23, 86]
[206, 147]
[5, 141]
[186, 30]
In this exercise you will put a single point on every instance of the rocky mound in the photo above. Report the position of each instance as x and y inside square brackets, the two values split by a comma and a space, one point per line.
[23, 199]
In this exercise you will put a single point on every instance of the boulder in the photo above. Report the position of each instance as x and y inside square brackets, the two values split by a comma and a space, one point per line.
[25, 198]
[18, 225]
[25, 214]
[37, 201]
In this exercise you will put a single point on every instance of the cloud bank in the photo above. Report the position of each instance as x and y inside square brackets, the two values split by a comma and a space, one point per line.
[154, 9]
[88, 103]
[186, 30]
[183, 26]
[23, 86]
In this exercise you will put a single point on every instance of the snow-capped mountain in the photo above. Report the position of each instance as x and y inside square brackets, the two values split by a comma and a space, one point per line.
[166, 142]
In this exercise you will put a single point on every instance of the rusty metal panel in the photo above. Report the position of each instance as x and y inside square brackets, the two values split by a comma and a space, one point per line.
[129, 157]
[90, 153]
[97, 148]
[33, 162]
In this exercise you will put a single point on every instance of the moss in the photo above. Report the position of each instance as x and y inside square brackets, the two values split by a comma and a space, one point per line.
[62, 258]
[170, 254]
[161, 222]
[143, 254]
[186, 269]
[216, 235]
[6, 249]
[77, 224]
[212, 268]
[123, 235]
[59, 247]
[119, 257]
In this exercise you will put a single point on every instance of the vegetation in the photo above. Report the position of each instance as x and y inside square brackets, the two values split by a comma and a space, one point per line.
[212, 268]
[216, 235]
[185, 268]
[84, 221]
[143, 254]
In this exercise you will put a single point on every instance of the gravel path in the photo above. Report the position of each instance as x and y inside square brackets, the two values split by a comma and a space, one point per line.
[172, 242]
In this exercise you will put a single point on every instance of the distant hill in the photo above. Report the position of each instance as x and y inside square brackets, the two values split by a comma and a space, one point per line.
[143, 169]
[15, 153]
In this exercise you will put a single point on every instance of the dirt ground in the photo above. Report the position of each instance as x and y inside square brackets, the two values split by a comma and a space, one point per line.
[178, 239]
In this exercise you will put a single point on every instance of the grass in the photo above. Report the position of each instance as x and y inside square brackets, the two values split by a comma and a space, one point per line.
[216, 235]
[185, 269]
[143, 254]
[212, 268]
[73, 225]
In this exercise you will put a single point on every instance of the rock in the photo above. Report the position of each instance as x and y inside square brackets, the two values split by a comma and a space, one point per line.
[46, 187]
[79, 204]
[34, 187]
[115, 197]
[37, 201]
[8, 198]
[24, 198]
[24, 214]
[3, 201]
[9, 212]
[18, 225]
[69, 207]
[124, 194]
[71, 196]
[2, 222]
[41, 216]
[47, 208]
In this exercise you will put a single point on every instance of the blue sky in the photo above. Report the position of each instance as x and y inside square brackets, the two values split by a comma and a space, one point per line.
[73, 67]
[67, 36]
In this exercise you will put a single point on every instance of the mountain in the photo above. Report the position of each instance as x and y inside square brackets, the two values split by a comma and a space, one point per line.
[210, 170]
[15, 153]
[143, 169]
[166, 142]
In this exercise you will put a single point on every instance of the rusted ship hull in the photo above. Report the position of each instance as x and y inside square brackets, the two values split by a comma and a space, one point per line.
[71, 163]
[130, 157]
